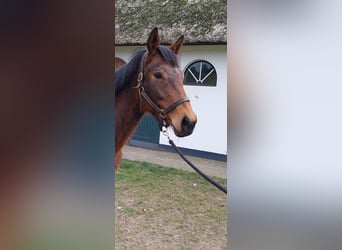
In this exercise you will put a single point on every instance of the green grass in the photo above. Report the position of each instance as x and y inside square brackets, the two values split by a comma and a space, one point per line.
[165, 202]
[144, 172]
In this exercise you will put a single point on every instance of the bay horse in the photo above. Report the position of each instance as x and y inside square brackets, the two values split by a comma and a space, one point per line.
[151, 82]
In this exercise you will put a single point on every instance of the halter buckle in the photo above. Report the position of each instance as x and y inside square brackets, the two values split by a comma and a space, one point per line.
[140, 76]
[162, 114]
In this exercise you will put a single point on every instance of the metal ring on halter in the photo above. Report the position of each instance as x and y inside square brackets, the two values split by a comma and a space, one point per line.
[162, 114]
[140, 76]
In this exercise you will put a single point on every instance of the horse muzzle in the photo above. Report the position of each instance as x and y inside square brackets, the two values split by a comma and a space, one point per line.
[186, 127]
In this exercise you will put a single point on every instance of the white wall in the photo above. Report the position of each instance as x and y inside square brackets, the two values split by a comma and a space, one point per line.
[209, 103]
[124, 52]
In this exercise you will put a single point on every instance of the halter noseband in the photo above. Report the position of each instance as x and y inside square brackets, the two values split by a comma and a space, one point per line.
[161, 111]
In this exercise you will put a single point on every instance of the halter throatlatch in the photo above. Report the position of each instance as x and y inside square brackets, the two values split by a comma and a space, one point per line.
[161, 111]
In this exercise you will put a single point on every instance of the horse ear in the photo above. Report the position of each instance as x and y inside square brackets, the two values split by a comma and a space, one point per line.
[175, 47]
[153, 41]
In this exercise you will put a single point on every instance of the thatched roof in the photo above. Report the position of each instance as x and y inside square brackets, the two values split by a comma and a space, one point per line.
[201, 21]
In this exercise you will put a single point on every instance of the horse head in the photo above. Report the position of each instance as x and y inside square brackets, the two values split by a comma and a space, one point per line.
[161, 86]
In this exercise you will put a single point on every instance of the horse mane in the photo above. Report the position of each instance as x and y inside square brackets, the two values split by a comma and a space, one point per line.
[124, 74]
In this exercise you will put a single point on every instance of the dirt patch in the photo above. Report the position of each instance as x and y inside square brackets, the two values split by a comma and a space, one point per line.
[165, 208]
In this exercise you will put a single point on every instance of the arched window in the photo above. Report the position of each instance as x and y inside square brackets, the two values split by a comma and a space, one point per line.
[200, 73]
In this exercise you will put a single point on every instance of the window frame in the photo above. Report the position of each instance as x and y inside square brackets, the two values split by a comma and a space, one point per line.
[186, 68]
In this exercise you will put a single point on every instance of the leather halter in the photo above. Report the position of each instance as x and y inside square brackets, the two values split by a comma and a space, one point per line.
[161, 111]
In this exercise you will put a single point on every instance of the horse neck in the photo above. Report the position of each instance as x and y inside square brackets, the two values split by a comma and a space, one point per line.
[128, 113]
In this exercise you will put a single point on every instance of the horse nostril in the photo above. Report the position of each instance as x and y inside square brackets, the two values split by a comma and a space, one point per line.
[187, 125]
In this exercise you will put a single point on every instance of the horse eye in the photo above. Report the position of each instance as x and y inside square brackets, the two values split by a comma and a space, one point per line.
[158, 75]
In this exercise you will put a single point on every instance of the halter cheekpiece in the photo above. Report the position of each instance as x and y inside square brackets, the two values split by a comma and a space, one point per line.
[161, 111]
